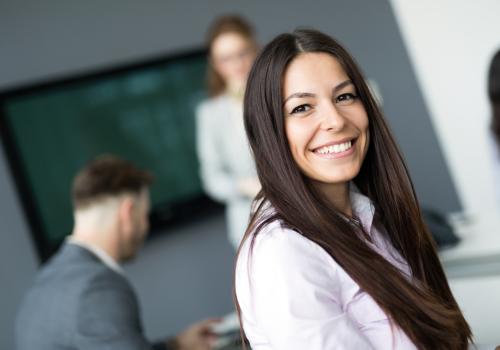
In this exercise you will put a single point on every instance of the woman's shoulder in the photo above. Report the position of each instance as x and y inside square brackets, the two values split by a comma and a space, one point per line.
[284, 248]
[280, 258]
[276, 233]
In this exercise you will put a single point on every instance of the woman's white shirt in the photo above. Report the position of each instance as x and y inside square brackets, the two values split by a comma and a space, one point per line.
[225, 159]
[293, 295]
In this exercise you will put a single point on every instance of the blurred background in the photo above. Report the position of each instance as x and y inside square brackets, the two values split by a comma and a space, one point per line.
[428, 59]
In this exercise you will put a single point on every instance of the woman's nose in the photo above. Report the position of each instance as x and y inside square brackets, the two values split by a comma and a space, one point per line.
[331, 119]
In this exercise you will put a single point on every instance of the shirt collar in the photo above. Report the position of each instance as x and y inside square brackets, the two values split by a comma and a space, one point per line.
[362, 207]
[105, 258]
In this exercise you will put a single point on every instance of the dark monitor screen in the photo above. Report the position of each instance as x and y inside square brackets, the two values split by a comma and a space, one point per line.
[143, 113]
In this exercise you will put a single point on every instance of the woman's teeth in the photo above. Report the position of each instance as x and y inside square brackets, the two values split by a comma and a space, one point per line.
[338, 148]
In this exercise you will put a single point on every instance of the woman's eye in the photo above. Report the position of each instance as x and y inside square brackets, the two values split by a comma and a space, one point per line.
[301, 109]
[346, 98]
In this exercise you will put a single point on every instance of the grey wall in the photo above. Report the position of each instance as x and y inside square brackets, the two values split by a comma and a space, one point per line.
[17, 256]
[50, 39]
[184, 276]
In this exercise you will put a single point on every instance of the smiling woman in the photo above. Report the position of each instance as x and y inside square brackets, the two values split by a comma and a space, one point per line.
[326, 126]
[336, 255]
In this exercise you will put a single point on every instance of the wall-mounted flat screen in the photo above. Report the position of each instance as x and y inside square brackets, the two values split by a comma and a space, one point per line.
[142, 112]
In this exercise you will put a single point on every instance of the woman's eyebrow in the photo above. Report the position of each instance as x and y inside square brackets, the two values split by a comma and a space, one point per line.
[299, 95]
[342, 85]
[308, 94]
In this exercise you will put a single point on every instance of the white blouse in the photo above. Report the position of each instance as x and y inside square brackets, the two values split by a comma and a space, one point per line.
[225, 159]
[295, 296]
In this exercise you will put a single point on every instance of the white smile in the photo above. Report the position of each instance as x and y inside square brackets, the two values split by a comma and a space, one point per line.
[338, 148]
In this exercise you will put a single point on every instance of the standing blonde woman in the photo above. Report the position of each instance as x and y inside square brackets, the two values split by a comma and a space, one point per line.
[227, 169]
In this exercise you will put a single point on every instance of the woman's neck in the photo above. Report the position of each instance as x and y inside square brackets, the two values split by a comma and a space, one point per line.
[338, 196]
[236, 90]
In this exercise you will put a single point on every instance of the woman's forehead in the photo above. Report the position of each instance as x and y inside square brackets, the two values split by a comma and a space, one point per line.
[311, 71]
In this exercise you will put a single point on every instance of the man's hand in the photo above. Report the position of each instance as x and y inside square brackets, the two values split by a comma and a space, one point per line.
[198, 336]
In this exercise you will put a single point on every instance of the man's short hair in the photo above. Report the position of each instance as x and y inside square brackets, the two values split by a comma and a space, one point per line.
[107, 176]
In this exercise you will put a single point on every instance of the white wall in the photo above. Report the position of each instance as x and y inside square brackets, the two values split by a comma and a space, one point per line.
[479, 299]
[450, 44]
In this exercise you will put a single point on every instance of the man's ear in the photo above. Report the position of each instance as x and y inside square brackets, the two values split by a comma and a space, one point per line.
[126, 210]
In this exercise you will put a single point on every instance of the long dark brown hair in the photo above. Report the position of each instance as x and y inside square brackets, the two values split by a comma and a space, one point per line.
[423, 308]
[494, 95]
[222, 25]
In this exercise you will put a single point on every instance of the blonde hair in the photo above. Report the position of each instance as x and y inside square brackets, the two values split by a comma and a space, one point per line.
[222, 25]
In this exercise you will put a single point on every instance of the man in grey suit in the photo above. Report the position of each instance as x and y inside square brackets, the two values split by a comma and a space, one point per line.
[81, 298]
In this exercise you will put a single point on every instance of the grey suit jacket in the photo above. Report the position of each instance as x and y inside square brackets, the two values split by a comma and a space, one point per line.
[77, 302]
